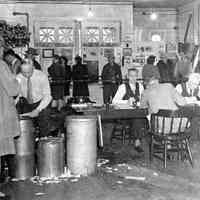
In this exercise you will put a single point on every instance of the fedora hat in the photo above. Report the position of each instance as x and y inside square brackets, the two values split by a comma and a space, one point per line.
[31, 51]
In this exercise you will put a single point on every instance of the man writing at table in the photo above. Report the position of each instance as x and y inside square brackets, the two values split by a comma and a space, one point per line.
[129, 94]
[163, 96]
[35, 88]
[160, 96]
[190, 90]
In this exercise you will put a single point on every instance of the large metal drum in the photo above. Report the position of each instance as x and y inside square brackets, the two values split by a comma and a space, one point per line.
[23, 165]
[25, 143]
[51, 157]
[81, 144]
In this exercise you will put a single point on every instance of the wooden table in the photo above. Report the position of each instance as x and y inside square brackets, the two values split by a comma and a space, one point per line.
[113, 114]
[191, 110]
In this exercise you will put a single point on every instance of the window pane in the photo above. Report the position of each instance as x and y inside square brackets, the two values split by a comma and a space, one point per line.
[109, 35]
[65, 35]
[47, 35]
[92, 35]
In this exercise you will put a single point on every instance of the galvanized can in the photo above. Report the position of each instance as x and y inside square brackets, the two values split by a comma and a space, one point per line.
[51, 157]
[81, 144]
[25, 143]
[23, 162]
[23, 167]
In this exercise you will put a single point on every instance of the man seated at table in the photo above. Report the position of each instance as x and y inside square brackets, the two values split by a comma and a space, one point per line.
[160, 96]
[129, 94]
[35, 88]
[190, 90]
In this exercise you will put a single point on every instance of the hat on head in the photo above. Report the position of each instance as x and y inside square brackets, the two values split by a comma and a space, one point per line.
[32, 51]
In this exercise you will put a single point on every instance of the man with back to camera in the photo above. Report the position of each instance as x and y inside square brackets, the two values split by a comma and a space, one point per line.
[112, 78]
[35, 88]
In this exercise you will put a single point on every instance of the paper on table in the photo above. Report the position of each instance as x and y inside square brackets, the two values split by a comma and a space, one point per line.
[191, 100]
[122, 106]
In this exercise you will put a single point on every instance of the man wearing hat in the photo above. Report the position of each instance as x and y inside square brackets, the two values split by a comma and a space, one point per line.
[30, 54]
[112, 78]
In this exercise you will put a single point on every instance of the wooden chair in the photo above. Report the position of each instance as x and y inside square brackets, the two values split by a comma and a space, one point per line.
[170, 133]
[121, 131]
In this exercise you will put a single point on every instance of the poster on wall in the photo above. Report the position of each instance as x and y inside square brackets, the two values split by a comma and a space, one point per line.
[46, 64]
[68, 53]
[93, 70]
[91, 53]
[108, 52]
[171, 47]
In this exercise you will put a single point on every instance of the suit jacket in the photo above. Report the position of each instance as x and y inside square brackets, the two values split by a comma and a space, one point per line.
[111, 74]
[80, 80]
[161, 96]
[9, 87]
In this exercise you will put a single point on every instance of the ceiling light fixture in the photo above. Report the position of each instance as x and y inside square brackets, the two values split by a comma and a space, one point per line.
[153, 16]
[90, 13]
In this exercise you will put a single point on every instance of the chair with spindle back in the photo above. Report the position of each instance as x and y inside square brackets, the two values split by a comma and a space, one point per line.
[170, 132]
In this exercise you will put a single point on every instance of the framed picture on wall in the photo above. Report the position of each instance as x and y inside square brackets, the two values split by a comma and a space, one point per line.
[47, 53]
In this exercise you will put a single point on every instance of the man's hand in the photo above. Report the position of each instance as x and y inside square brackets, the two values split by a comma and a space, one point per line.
[131, 101]
[32, 114]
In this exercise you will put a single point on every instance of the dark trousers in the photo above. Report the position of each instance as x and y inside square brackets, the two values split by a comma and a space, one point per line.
[139, 127]
[109, 91]
[43, 120]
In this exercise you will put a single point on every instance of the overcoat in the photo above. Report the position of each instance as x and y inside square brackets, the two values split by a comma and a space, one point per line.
[9, 121]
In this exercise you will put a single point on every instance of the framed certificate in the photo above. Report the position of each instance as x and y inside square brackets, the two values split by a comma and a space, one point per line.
[47, 53]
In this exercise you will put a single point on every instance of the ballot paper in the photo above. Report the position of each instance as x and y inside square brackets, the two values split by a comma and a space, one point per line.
[123, 106]
[191, 100]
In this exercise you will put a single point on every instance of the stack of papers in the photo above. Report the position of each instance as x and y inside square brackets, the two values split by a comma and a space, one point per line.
[122, 106]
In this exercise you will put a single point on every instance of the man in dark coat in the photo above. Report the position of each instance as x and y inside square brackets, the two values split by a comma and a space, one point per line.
[112, 78]
[163, 68]
[67, 71]
[80, 78]
[57, 75]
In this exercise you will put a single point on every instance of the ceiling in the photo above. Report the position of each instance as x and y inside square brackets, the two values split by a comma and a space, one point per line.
[138, 3]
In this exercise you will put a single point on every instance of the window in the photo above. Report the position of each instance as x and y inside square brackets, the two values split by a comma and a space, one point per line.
[65, 35]
[47, 35]
[109, 35]
[92, 35]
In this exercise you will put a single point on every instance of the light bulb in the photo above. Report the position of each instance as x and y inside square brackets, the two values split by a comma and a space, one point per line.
[153, 16]
[90, 13]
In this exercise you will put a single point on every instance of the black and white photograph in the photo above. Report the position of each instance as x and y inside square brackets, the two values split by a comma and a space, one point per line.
[99, 99]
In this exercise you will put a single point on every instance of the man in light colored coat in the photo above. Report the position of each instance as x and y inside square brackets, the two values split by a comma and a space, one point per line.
[9, 123]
